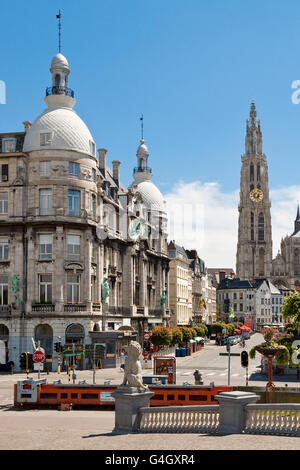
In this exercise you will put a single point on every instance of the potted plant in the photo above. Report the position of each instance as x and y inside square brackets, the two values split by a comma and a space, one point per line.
[270, 349]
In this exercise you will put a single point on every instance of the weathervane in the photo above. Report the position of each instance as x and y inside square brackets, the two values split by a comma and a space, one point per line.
[59, 30]
[142, 126]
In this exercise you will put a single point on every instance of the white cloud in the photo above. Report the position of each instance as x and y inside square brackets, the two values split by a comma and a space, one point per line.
[204, 217]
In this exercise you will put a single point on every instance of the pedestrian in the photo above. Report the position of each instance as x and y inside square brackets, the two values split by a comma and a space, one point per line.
[198, 377]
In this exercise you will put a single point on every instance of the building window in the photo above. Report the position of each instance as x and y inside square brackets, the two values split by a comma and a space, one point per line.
[73, 169]
[4, 172]
[73, 202]
[241, 295]
[4, 203]
[45, 251]
[241, 307]
[92, 147]
[45, 201]
[251, 172]
[45, 288]
[261, 231]
[93, 174]
[73, 287]
[73, 242]
[3, 290]
[44, 168]
[93, 205]
[8, 145]
[3, 248]
[45, 139]
[252, 226]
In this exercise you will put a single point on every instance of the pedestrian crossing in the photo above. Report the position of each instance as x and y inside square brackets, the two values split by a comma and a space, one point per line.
[215, 374]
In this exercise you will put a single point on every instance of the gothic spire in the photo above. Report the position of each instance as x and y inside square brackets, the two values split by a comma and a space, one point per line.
[253, 141]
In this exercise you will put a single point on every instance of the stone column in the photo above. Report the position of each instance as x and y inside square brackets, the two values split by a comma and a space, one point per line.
[232, 410]
[59, 277]
[128, 400]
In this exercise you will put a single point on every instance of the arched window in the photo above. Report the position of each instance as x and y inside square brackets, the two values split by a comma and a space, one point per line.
[252, 226]
[57, 80]
[261, 230]
[258, 172]
[251, 172]
[44, 334]
[261, 262]
[296, 261]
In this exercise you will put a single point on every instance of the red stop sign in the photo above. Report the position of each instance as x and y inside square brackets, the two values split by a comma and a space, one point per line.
[38, 356]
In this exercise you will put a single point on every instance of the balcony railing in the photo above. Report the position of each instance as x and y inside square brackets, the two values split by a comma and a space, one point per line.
[75, 307]
[59, 90]
[5, 308]
[139, 169]
[43, 308]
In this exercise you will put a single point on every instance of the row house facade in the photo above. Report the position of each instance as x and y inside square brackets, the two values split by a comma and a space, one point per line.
[80, 254]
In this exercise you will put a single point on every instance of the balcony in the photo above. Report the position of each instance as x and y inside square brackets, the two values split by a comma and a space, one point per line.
[75, 307]
[43, 308]
[5, 309]
[155, 312]
[59, 90]
[139, 169]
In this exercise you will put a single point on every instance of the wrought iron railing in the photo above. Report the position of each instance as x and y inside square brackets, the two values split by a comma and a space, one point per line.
[139, 169]
[43, 308]
[59, 90]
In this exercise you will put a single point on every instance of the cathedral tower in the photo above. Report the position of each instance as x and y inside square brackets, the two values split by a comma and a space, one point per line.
[254, 249]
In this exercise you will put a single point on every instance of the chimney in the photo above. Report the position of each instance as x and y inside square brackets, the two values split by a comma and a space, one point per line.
[116, 171]
[27, 125]
[222, 275]
[102, 161]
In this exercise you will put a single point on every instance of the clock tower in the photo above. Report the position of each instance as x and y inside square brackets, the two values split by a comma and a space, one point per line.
[254, 249]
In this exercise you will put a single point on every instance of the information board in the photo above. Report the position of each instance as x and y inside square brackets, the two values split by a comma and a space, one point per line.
[165, 365]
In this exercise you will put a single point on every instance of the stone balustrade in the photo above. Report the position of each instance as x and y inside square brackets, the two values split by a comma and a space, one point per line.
[281, 418]
[181, 419]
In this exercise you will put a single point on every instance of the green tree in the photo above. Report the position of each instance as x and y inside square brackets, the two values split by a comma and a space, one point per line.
[177, 336]
[161, 336]
[291, 309]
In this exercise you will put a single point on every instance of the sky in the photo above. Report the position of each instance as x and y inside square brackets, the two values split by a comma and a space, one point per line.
[191, 67]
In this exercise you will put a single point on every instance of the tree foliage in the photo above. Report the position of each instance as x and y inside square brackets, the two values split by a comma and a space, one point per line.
[291, 309]
[161, 336]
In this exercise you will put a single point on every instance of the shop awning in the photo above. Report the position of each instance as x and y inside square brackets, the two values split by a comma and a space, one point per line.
[198, 338]
[192, 341]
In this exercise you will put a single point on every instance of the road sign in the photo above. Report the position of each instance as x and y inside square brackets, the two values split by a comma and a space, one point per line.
[147, 336]
[38, 355]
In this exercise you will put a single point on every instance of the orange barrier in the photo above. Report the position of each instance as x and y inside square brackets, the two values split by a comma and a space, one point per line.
[95, 395]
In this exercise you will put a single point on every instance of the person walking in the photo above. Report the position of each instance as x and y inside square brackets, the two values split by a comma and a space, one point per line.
[198, 377]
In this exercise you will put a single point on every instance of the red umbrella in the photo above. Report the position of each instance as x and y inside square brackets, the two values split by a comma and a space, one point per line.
[245, 328]
[237, 330]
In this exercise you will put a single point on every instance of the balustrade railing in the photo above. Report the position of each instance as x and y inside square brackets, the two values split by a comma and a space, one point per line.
[273, 418]
[178, 419]
[43, 308]
[75, 308]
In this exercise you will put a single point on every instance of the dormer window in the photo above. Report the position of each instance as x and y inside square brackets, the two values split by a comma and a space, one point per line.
[92, 147]
[45, 139]
[8, 145]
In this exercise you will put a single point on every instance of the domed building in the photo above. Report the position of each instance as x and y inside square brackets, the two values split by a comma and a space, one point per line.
[80, 255]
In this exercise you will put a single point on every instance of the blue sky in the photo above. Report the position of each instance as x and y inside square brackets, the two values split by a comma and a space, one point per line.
[190, 66]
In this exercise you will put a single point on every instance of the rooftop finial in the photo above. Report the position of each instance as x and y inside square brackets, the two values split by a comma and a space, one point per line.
[59, 30]
[142, 126]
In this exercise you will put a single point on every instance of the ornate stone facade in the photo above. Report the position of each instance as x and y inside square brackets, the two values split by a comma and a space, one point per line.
[66, 224]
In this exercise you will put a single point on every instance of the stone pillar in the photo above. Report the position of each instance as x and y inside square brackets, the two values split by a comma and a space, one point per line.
[128, 400]
[232, 410]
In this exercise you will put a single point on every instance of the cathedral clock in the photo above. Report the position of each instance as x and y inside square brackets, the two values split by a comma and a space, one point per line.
[256, 195]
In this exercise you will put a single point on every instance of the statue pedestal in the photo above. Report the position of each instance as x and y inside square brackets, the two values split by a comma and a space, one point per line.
[128, 400]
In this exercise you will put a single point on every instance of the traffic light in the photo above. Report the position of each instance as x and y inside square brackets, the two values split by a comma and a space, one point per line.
[30, 361]
[23, 361]
[244, 359]
[58, 347]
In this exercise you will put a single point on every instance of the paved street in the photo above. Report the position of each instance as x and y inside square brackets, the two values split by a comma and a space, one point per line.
[91, 429]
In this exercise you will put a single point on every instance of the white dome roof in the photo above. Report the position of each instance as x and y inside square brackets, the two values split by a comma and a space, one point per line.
[68, 132]
[142, 150]
[151, 195]
[59, 61]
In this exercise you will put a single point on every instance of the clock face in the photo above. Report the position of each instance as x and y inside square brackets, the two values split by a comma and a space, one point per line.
[256, 195]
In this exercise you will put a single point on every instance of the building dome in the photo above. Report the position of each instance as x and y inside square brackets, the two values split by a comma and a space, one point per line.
[59, 61]
[151, 196]
[59, 129]
[142, 150]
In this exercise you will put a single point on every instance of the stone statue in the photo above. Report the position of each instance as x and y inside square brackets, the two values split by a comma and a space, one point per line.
[133, 368]
[15, 286]
[105, 290]
[163, 298]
